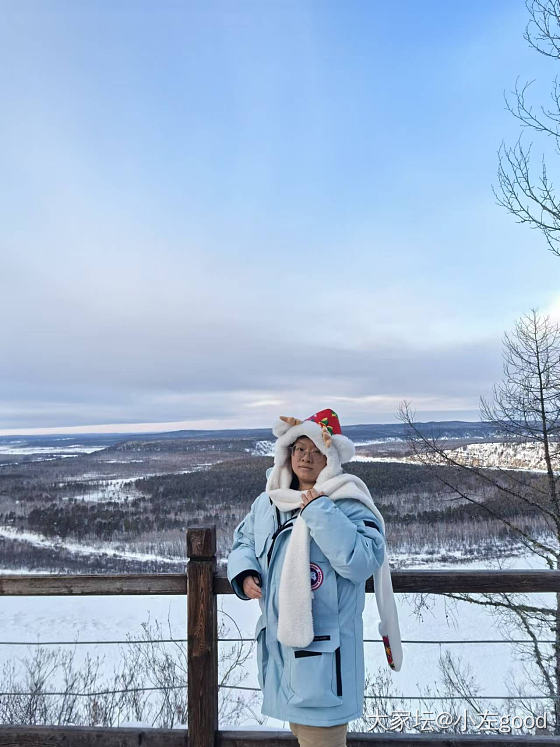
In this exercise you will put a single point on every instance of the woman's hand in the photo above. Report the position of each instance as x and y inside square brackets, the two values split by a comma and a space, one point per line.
[251, 587]
[309, 495]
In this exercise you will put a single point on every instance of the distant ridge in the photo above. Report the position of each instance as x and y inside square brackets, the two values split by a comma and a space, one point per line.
[363, 432]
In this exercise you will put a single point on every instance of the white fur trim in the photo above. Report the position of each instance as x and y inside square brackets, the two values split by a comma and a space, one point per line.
[280, 427]
[295, 620]
[281, 475]
[344, 446]
[308, 428]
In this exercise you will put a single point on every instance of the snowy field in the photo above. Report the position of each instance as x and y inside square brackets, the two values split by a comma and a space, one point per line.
[28, 620]
[73, 449]
[104, 621]
[266, 448]
[525, 456]
[108, 549]
[121, 489]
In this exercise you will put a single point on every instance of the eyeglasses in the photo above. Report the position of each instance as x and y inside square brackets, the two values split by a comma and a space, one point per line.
[299, 451]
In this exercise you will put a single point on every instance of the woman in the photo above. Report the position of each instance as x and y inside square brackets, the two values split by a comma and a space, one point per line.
[304, 551]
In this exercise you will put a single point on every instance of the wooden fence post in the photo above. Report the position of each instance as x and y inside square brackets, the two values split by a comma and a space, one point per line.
[202, 633]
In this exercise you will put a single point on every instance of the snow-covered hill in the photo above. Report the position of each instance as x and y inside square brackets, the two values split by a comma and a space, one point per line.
[525, 455]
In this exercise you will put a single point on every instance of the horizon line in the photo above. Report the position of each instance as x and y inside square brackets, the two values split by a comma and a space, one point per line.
[161, 428]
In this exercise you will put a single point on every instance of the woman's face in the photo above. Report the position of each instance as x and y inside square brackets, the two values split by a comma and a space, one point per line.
[307, 461]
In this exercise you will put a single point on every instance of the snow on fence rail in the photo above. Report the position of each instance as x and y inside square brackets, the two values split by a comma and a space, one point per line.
[201, 585]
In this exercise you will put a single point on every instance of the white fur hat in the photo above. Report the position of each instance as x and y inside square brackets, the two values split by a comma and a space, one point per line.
[323, 428]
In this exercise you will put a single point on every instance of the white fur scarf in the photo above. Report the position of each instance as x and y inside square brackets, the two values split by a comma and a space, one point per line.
[295, 619]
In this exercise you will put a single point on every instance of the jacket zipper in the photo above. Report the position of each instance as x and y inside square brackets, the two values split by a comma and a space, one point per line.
[281, 528]
[338, 672]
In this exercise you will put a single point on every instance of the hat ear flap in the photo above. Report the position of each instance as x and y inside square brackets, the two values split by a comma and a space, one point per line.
[345, 447]
[284, 424]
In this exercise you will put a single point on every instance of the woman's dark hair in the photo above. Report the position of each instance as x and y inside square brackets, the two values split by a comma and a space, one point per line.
[294, 485]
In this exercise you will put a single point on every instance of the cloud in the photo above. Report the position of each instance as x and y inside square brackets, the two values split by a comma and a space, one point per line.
[186, 242]
[233, 374]
[265, 403]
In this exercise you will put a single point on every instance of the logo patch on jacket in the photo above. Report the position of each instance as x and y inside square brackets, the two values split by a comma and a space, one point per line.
[316, 576]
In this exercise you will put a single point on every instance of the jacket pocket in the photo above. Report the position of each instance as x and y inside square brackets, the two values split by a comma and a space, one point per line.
[314, 673]
[262, 654]
[264, 529]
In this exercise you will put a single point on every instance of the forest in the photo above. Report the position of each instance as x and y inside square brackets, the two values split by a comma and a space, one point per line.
[95, 513]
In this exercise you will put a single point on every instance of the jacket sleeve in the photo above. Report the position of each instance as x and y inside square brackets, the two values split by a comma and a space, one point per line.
[242, 558]
[348, 534]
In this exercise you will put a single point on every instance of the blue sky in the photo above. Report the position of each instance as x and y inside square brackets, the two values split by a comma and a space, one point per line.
[217, 212]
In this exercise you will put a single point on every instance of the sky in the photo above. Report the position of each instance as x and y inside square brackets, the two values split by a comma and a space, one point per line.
[214, 213]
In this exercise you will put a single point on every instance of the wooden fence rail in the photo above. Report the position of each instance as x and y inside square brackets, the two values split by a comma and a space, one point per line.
[201, 584]
[429, 581]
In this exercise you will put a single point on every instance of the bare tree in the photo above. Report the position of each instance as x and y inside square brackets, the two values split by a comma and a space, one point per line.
[526, 403]
[525, 190]
[525, 407]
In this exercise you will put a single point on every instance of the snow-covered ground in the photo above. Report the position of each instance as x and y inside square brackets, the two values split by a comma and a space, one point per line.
[526, 456]
[123, 461]
[11, 448]
[266, 448]
[24, 621]
[458, 625]
[120, 489]
[372, 441]
[262, 448]
[365, 458]
[115, 489]
[80, 548]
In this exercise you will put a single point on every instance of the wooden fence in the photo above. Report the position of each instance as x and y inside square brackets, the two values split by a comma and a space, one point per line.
[201, 585]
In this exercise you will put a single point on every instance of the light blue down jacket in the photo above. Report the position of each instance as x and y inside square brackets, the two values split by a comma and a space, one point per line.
[323, 684]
